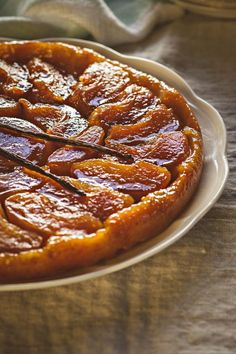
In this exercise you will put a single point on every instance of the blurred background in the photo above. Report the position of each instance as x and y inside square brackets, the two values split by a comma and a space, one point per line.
[111, 22]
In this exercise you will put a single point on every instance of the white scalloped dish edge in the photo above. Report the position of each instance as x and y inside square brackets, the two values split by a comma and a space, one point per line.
[211, 185]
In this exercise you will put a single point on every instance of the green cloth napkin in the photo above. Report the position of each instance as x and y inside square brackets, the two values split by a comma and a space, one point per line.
[111, 22]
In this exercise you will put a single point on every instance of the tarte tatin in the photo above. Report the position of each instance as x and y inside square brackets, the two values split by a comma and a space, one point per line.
[95, 157]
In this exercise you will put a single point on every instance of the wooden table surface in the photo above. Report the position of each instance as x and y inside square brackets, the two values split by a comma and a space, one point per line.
[181, 301]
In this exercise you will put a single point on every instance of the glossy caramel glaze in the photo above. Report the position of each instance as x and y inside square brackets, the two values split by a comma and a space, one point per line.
[76, 93]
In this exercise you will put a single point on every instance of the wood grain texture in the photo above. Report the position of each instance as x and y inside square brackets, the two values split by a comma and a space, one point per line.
[181, 301]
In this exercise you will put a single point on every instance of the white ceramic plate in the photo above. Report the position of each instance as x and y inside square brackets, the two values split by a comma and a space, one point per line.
[211, 185]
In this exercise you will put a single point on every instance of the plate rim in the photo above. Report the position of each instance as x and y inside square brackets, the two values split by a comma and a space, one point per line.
[108, 269]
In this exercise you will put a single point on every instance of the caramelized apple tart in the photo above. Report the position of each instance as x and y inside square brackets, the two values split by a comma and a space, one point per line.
[95, 157]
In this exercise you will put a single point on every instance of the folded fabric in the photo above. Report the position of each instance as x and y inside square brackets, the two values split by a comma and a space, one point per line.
[111, 22]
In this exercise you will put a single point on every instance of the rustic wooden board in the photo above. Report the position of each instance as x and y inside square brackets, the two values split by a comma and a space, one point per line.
[181, 301]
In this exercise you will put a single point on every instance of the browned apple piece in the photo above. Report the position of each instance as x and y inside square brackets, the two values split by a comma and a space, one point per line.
[137, 179]
[99, 200]
[145, 80]
[43, 115]
[70, 125]
[50, 85]
[17, 180]
[50, 216]
[170, 148]
[60, 161]
[130, 106]
[29, 148]
[165, 149]
[53, 211]
[173, 99]
[55, 119]
[14, 79]
[9, 107]
[99, 84]
[14, 240]
[68, 58]
[71, 59]
[159, 120]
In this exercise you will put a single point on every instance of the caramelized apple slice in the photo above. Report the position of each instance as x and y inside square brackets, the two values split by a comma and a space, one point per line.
[49, 216]
[52, 211]
[173, 99]
[17, 180]
[43, 115]
[165, 149]
[99, 84]
[15, 79]
[68, 58]
[70, 125]
[13, 239]
[71, 59]
[99, 200]
[29, 148]
[60, 161]
[137, 179]
[139, 78]
[9, 107]
[130, 106]
[169, 148]
[50, 85]
[159, 120]
[59, 120]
